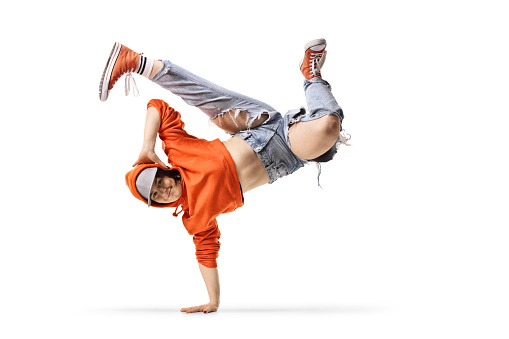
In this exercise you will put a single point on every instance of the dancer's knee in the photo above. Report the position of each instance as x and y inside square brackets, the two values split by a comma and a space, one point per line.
[325, 128]
[329, 127]
[310, 139]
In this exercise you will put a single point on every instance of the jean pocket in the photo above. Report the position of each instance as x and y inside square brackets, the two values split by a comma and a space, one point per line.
[281, 170]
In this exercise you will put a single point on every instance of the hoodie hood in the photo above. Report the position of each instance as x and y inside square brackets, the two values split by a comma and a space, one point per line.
[130, 180]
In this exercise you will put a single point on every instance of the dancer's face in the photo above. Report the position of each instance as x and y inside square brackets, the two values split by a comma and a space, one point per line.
[165, 190]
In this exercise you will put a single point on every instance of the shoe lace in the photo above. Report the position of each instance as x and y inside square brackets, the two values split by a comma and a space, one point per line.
[316, 61]
[129, 79]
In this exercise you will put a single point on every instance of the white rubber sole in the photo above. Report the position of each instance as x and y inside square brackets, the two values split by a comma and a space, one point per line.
[313, 43]
[105, 79]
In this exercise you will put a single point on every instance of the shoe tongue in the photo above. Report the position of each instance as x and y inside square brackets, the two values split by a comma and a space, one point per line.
[317, 48]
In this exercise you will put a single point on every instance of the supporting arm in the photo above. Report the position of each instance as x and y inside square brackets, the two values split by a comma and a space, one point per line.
[211, 278]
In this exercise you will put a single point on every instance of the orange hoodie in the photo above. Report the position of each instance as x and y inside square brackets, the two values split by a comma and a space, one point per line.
[210, 185]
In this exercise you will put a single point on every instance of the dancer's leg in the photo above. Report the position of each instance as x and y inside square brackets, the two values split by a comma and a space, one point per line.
[315, 133]
[318, 131]
[227, 109]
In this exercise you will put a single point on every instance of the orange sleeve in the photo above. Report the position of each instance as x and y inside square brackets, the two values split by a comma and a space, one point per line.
[172, 127]
[207, 245]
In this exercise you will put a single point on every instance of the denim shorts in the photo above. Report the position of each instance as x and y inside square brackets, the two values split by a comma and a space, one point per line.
[270, 143]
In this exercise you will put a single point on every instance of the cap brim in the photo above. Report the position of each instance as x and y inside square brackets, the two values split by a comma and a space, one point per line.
[144, 182]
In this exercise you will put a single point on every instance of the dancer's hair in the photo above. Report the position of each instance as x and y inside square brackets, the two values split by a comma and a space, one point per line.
[173, 173]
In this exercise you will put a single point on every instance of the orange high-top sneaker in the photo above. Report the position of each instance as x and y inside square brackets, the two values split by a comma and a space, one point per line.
[314, 57]
[122, 60]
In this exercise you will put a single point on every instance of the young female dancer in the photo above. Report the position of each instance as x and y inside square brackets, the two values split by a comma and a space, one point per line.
[208, 178]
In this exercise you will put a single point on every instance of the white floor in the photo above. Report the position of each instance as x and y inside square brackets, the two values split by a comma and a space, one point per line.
[407, 239]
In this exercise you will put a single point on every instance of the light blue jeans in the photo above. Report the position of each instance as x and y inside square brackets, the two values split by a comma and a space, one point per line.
[270, 139]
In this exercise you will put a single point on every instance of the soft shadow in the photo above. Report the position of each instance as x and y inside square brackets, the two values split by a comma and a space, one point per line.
[318, 309]
[141, 310]
[304, 309]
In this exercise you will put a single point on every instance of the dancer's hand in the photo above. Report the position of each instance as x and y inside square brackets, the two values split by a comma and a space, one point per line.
[148, 156]
[207, 308]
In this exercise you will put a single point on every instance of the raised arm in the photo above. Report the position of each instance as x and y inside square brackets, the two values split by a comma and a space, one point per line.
[165, 121]
[152, 124]
[211, 278]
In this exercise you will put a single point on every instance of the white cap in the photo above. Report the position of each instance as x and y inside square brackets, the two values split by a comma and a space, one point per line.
[144, 182]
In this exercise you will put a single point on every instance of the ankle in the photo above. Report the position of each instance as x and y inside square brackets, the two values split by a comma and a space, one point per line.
[158, 64]
[145, 66]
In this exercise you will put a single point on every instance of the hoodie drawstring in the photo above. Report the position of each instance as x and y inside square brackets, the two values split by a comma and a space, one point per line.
[175, 214]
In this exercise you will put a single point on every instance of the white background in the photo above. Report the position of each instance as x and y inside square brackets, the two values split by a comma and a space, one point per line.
[407, 239]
